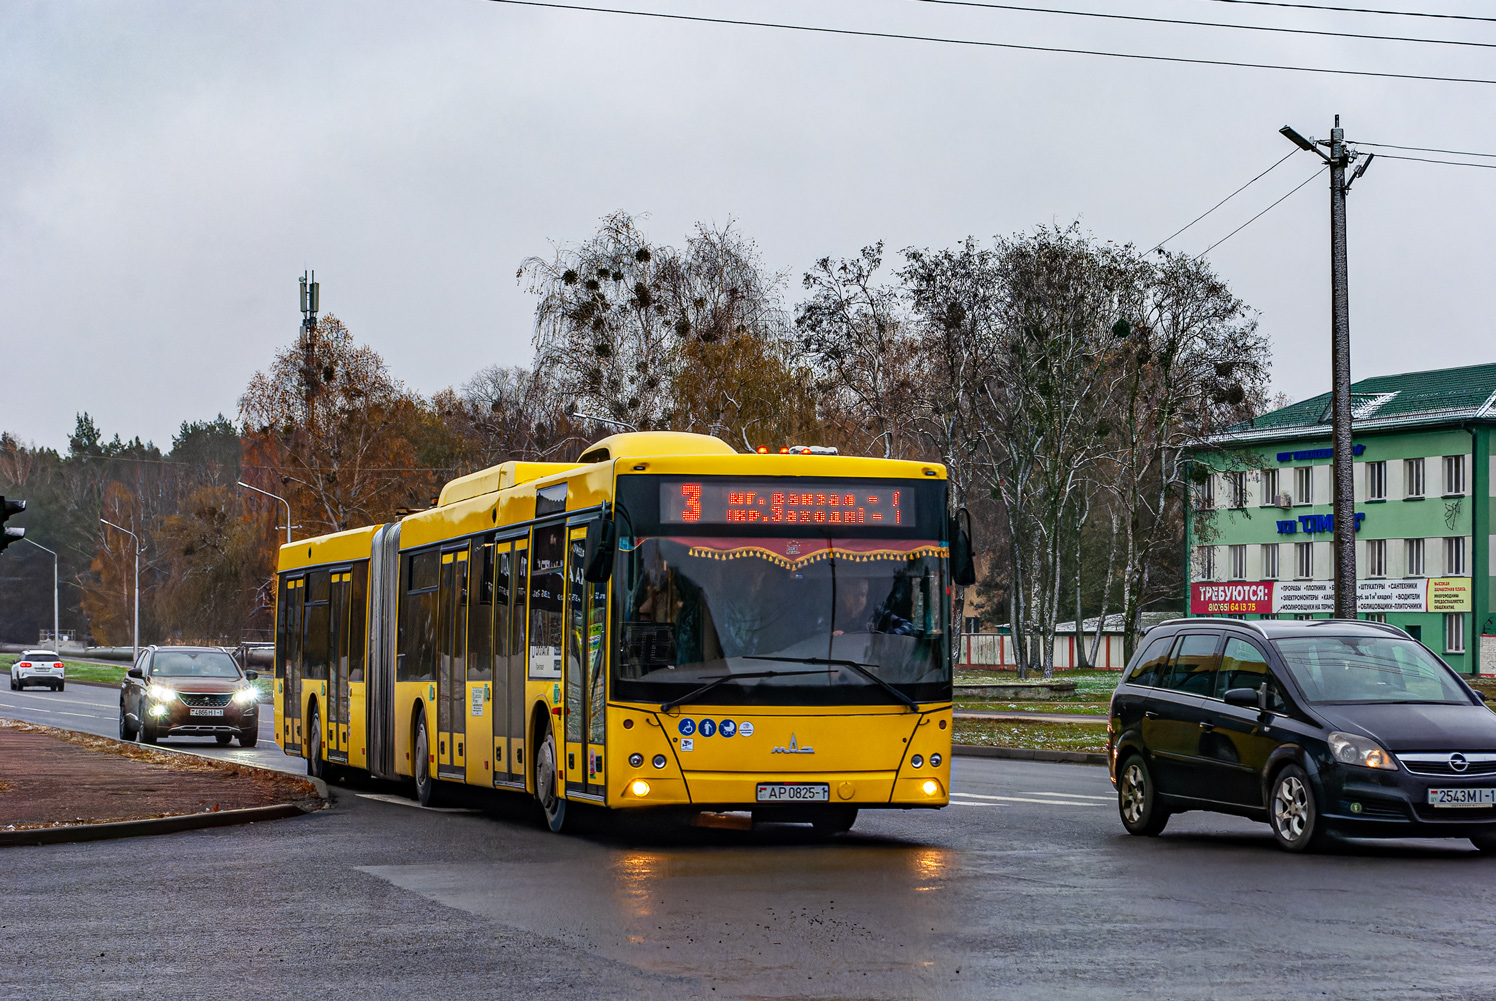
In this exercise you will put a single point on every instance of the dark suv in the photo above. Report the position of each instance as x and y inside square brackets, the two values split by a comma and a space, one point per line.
[189, 691]
[1317, 727]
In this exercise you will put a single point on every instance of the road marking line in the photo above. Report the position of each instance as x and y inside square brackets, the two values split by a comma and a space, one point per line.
[1072, 795]
[1023, 799]
[957, 802]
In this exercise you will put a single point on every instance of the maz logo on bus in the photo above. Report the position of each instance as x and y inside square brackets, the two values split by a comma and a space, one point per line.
[794, 748]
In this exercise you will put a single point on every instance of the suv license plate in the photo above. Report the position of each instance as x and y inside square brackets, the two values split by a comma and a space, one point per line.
[1483, 796]
[205, 712]
[794, 792]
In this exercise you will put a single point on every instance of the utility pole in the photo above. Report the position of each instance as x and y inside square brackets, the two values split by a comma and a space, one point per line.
[1339, 158]
[136, 654]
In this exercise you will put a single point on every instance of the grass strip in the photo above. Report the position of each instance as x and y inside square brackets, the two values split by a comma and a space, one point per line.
[1032, 735]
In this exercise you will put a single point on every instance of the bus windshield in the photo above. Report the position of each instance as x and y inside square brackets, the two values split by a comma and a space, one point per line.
[802, 621]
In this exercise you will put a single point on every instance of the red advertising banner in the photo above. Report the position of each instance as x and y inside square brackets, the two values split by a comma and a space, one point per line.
[1235, 598]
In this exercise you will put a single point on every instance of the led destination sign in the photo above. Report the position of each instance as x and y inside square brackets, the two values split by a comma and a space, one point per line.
[779, 502]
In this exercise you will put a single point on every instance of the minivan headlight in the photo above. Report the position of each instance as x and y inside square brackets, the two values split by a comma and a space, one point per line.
[247, 696]
[161, 693]
[1352, 750]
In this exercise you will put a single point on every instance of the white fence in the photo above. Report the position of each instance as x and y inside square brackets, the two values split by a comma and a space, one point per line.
[995, 650]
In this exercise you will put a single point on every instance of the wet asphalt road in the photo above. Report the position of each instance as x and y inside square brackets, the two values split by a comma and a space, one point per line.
[95, 709]
[1027, 888]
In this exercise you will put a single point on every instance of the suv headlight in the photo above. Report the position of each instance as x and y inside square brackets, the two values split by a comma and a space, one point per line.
[1352, 750]
[247, 696]
[160, 693]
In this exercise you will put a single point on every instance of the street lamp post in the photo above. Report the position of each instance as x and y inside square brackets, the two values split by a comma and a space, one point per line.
[1338, 158]
[267, 493]
[55, 617]
[135, 649]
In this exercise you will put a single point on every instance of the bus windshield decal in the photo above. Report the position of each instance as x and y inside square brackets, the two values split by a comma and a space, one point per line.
[734, 501]
[792, 554]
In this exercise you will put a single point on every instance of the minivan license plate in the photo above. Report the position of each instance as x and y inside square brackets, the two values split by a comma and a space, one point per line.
[205, 712]
[794, 792]
[1484, 796]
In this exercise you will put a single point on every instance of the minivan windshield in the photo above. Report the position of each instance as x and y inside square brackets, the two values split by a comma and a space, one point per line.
[196, 664]
[1368, 669]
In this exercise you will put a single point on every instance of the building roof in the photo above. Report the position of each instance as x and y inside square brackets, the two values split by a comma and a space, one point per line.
[1440, 396]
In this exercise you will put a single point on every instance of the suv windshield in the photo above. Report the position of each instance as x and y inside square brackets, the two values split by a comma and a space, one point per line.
[193, 664]
[1368, 669]
[801, 621]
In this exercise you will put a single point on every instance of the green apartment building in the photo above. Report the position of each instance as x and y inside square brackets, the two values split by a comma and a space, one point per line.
[1260, 527]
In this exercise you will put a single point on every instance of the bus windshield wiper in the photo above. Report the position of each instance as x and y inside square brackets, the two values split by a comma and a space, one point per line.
[723, 679]
[860, 668]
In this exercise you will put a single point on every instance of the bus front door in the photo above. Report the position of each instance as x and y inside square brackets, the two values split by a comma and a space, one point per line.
[288, 662]
[585, 664]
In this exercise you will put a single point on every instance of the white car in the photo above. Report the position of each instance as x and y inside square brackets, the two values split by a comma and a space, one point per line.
[37, 667]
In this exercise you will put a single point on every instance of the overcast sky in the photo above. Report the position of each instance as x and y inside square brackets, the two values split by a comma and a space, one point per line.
[167, 170]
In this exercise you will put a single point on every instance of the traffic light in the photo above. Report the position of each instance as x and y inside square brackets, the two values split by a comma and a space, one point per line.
[10, 534]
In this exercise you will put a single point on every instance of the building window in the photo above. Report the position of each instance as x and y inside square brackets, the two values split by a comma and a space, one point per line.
[1376, 481]
[1415, 558]
[1376, 616]
[1205, 562]
[1413, 479]
[1303, 485]
[1454, 475]
[1376, 558]
[1236, 489]
[1205, 494]
[1270, 561]
[1270, 488]
[1238, 562]
[1303, 560]
[1454, 632]
[1454, 556]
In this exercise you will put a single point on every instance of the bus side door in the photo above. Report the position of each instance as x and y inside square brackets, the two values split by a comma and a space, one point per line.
[585, 660]
[451, 664]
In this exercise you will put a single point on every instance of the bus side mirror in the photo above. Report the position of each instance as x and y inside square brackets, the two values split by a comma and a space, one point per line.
[597, 567]
[963, 565]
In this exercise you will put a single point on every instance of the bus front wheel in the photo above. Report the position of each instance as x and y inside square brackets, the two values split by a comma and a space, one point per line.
[548, 784]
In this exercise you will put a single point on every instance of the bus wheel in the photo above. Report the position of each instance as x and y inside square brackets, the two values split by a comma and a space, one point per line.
[548, 786]
[314, 746]
[426, 793]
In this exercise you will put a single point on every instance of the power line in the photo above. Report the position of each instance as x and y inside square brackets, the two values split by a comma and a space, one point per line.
[1208, 24]
[1450, 163]
[1426, 149]
[1264, 212]
[856, 33]
[1223, 201]
[1357, 10]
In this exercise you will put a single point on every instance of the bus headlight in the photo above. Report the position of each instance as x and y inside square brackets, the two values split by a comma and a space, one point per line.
[639, 787]
[931, 787]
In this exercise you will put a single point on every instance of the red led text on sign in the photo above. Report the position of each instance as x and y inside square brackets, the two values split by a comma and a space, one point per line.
[767, 503]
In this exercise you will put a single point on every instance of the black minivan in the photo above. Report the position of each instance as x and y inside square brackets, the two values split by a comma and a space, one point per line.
[1321, 727]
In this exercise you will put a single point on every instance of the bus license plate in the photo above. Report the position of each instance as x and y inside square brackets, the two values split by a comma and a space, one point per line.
[794, 792]
[1484, 796]
[205, 712]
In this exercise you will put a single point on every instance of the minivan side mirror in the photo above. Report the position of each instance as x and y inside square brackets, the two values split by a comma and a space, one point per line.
[597, 566]
[135, 672]
[1245, 697]
[963, 563]
[251, 675]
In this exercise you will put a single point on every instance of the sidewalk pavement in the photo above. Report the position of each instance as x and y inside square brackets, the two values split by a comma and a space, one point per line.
[61, 785]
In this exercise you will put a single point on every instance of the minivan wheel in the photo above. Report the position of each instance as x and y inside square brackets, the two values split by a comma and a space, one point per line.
[1293, 812]
[1137, 802]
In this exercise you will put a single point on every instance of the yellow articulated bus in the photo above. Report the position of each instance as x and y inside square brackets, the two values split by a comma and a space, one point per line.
[666, 623]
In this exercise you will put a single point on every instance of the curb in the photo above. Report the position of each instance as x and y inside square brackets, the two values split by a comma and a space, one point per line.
[1027, 754]
[71, 833]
